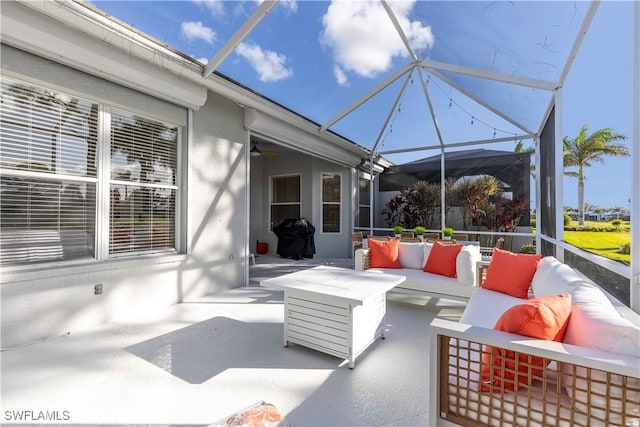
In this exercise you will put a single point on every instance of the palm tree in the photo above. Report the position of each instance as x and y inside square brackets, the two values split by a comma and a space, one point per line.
[519, 148]
[584, 150]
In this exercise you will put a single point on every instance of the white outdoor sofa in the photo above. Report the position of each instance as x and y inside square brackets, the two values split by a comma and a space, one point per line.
[413, 257]
[592, 379]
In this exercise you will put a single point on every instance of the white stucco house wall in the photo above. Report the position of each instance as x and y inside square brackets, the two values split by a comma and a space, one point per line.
[217, 204]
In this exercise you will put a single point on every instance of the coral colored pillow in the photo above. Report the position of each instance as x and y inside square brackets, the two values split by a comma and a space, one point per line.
[384, 254]
[442, 259]
[543, 318]
[511, 273]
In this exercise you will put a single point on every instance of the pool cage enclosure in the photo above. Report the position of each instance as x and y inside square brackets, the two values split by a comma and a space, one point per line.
[548, 141]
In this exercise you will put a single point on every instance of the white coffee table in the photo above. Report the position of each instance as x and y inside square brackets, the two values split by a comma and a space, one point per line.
[334, 310]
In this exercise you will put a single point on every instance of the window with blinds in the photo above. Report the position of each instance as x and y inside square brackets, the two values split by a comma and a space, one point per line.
[331, 202]
[50, 178]
[285, 198]
[364, 203]
[142, 186]
[47, 175]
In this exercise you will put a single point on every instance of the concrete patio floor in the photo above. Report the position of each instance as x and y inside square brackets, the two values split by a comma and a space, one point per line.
[202, 360]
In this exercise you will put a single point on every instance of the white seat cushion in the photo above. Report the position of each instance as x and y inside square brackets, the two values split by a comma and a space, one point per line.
[485, 307]
[411, 255]
[466, 264]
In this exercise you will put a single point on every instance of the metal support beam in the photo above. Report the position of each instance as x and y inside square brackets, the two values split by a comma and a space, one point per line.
[395, 105]
[490, 75]
[431, 110]
[443, 192]
[559, 173]
[368, 96]
[576, 45]
[459, 144]
[635, 182]
[399, 29]
[538, 191]
[486, 105]
[242, 32]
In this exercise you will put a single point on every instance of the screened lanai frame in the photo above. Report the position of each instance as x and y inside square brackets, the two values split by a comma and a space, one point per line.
[553, 114]
[417, 68]
[444, 71]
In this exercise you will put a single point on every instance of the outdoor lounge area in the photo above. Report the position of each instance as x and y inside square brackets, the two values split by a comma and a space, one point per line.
[339, 213]
[199, 361]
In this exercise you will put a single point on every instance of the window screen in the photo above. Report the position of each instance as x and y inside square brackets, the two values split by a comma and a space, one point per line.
[285, 198]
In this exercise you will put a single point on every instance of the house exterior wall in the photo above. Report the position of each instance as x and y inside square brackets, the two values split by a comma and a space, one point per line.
[47, 300]
[310, 169]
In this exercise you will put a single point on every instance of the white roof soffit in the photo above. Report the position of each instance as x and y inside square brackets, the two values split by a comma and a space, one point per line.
[248, 25]
[60, 39]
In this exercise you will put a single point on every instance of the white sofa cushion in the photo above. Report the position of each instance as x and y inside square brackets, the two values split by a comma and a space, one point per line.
[595, 323]
[466, 264]
[418, 280]
[553, 277]
[485, 307]
[427, 252]
[411, 255]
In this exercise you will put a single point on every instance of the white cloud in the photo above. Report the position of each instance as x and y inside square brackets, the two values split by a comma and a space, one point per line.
[340, 76]
[269, 65]
[362, 38]
[195, 30]
[292, 5]
[216, 7]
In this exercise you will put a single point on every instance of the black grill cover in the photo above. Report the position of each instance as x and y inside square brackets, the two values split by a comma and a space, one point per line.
[295, 238]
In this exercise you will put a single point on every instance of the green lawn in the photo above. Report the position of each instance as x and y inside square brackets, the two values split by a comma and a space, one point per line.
[602, 243]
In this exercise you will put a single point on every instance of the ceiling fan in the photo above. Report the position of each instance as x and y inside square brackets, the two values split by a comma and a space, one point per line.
[256, 152]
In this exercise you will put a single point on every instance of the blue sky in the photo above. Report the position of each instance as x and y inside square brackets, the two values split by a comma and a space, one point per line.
[318, 57]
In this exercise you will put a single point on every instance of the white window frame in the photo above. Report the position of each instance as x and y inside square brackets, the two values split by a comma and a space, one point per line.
[103, 182]
[363, 177]
[339, 203]
[271, 202]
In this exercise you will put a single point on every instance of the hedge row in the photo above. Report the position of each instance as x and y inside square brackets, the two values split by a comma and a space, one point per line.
[589, 228]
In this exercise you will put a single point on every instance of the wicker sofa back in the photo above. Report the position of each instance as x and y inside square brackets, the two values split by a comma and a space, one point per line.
[591, 378]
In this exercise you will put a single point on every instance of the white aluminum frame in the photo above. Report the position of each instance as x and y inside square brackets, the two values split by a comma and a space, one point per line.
[322, 203]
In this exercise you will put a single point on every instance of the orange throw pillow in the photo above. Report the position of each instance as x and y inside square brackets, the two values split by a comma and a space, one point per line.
[543, 318]
[384, 254]
[511, 273]
[442, 259]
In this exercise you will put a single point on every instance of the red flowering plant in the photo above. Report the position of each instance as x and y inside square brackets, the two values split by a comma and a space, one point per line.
[506, 216]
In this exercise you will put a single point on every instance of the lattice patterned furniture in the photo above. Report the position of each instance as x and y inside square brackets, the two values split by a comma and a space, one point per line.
[592, 378]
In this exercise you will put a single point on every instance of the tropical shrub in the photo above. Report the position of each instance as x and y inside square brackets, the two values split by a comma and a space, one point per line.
[529, 248]
[625, 249]
[567, 220]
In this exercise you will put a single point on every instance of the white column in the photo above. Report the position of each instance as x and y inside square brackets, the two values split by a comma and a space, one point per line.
[635, 182]
[247, 202]
[559, 169]
[538, 191]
